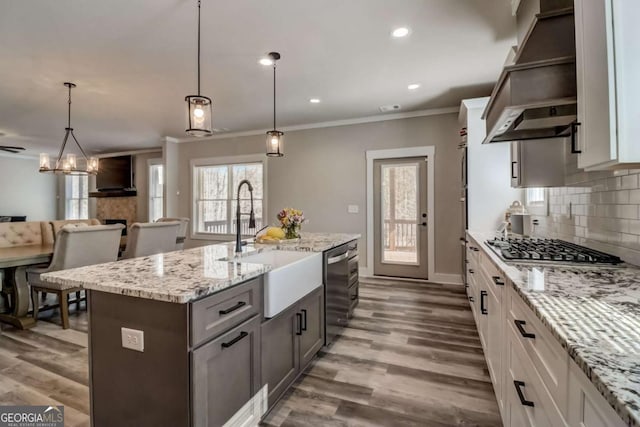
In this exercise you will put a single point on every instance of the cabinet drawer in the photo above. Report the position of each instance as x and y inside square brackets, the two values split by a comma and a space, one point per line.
[494, 277]
[225, 374]
[529, 403]
[548, 357]
[216, 314]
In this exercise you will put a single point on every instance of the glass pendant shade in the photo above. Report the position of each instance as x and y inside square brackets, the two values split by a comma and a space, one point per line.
[199, 115]
[92, 164]
[45, 164]
[275, 140]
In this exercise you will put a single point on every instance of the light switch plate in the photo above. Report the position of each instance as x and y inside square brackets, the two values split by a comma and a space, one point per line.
[353, 209]
[132, 339]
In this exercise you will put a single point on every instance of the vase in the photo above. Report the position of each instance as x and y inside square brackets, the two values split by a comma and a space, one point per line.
[291, 233]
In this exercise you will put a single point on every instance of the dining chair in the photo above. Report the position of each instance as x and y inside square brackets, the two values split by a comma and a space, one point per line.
[74, 247]
[151, 238]
[182, 231]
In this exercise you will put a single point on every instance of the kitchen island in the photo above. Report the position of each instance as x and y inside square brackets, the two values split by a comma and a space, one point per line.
[181, 339]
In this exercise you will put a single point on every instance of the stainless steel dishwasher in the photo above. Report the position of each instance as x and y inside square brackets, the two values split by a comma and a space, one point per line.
[341, 289]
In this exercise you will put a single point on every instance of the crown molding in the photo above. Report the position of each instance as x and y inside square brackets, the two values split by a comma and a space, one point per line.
[328, 124]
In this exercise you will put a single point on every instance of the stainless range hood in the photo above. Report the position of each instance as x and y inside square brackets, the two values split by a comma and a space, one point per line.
[535, 97]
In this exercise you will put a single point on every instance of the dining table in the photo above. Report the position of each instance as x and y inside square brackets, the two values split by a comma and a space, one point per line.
[15, 261]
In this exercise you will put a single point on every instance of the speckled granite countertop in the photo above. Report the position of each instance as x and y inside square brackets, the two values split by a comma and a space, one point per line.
[594, 312]
[184, 276]
[314, 242]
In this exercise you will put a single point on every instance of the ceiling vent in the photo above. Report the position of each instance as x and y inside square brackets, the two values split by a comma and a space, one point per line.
[388, 108]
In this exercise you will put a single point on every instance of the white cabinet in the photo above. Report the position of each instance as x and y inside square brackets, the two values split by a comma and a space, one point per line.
[587, 408]
[607, 66]
[535, 381]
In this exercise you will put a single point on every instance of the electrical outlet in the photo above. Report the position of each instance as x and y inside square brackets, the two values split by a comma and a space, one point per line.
[132, 339]
[353, 209]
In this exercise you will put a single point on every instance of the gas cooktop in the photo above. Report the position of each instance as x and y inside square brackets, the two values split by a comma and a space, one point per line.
[549, 250]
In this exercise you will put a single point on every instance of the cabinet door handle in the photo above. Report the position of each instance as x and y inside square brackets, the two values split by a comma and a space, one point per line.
[525, 402]
[304, 320]
[525, 334]
[471, 271]
[354, 297]
[513, 174]
[483, 309]
[498, 280]
[234, 308]
[299, 322]
[235, 340]
[471, 299]
[574, 138]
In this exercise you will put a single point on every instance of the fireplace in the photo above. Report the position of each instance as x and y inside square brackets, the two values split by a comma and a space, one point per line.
[118, 221]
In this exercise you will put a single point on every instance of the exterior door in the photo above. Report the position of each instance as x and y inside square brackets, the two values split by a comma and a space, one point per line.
[400, 217]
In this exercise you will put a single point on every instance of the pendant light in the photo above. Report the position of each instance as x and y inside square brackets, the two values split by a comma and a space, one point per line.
[198, 106]
[69, 165]
[274, 137]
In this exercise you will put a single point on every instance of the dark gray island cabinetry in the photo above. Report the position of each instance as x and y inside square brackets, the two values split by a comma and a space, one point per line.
[290, 341]
[200, 362]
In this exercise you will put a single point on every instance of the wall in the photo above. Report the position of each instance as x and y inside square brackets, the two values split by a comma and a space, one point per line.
[324, 170]
[25, 191]
[600, 210]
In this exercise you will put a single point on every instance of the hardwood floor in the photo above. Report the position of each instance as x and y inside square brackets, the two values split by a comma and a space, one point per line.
[47, 365]
[411, 357]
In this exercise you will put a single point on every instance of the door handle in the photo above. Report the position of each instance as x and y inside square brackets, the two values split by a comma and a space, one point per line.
[574, 138]
[498, 280]
[304, 320]
[424, 224]
[483, 309]
[513, 174]
[525, 334]
[338, 258]
[299, 322]
[525, 402]
[235, 340]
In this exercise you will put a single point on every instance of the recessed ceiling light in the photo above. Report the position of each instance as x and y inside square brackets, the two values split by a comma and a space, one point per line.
[413, 86]
[400, 32]
[314, 101]
[266, 61]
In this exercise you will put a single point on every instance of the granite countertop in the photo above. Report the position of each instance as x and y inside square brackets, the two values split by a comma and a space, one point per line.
[187, 275]
[594, 313]
[313, 242]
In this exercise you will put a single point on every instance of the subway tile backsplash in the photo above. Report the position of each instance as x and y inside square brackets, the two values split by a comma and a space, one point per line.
[600, 210]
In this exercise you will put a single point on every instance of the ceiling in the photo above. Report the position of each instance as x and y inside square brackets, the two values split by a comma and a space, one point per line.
[134, 62]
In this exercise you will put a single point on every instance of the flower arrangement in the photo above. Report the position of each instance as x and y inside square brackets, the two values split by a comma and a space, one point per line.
[291, 220]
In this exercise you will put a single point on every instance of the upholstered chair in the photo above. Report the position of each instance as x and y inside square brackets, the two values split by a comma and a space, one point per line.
[74, 247]
[151, 238]
[182, 231]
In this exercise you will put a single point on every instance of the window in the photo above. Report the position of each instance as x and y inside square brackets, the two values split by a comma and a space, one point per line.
[215, 187]
[535, 196]
[76, 197]
[156, 190]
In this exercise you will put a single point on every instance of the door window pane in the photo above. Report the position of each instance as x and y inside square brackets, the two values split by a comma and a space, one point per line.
[399, 187]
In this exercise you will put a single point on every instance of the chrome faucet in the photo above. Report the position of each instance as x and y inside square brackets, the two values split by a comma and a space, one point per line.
[252, 218]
